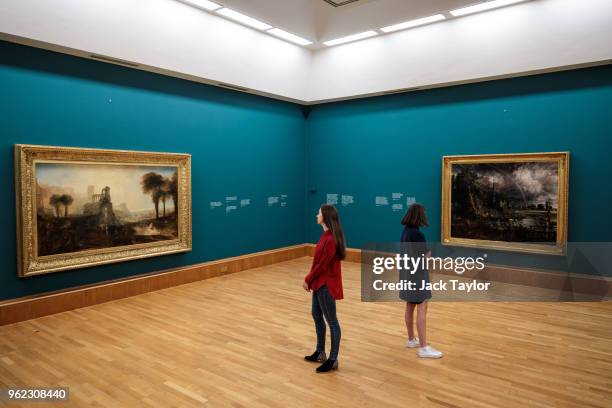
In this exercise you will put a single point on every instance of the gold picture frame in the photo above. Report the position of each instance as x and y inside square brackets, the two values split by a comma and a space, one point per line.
[468, 233]
[32, 210]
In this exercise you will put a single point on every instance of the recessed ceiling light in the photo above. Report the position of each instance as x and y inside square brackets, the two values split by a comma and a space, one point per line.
[246, 20]
[413, 23]
[205, 4]
[483, 6]
[354, 37]
[289, 37]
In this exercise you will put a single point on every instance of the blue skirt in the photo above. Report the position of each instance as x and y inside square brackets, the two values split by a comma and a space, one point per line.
[417, 295]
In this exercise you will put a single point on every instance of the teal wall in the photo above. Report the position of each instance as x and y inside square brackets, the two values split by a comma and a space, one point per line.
[242, 145]
[377, 146]
[254, 147]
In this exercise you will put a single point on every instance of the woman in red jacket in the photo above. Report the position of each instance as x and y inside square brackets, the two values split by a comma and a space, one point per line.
[325, 280]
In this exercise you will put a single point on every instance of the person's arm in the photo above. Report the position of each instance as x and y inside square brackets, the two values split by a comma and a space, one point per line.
[327, 254]
[422, 244]
[404, 246]
[404, 233]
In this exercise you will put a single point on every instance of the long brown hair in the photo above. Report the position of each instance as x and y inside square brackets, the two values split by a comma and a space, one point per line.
[415, 216]
[332, 221]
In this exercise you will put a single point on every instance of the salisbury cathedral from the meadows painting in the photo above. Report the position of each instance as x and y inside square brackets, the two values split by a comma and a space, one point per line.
[514, 202]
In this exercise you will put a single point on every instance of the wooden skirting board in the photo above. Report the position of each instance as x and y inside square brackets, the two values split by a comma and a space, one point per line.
[30, 307]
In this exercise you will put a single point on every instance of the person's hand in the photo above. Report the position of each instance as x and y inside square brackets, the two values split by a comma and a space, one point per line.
[305, 286]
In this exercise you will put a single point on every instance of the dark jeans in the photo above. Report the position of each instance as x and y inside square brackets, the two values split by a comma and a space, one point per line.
[323, 304]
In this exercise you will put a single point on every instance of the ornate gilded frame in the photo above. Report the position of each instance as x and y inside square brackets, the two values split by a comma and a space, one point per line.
[29, 263]
[559, 247]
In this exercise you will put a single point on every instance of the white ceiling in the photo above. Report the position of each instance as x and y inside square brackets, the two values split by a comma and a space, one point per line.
[318, 21]
[172, 38]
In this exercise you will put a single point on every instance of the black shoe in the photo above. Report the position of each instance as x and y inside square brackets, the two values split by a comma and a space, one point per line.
[328, 365]
[316, 357]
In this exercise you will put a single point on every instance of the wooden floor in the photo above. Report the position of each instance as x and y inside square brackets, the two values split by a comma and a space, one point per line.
[239, 340]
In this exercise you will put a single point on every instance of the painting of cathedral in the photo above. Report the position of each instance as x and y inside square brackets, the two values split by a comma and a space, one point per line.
[512, 202]
[96, 209]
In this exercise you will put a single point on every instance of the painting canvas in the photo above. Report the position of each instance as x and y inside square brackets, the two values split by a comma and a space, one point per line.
[512, 202]
[82, 207]
[88, 206]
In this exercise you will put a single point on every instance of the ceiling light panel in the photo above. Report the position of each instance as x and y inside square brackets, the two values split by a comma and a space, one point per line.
[476, 8]
[289, 37]
[413, 23]
[350, 38]
[205, 4]
[241, 18]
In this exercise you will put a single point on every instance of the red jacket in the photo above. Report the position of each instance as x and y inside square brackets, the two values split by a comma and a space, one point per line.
[325, 268]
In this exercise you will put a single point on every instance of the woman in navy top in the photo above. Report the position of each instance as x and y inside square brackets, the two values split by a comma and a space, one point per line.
[414, 243]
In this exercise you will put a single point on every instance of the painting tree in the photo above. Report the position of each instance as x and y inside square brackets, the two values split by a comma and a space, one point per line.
[174, 191]
[152, 184]
[55, 202]
[165, 194]
[463, 193]
[66, 200]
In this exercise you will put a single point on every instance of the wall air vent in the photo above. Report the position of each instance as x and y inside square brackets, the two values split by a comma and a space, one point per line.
[234, 87]
[113, 60]
[338, 3]
[401, 91]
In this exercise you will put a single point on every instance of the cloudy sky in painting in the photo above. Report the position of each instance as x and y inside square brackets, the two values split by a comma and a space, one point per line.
[533, 182]
[124, 182]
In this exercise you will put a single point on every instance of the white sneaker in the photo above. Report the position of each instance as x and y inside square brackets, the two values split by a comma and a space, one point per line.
[413, 343]
[429, 352]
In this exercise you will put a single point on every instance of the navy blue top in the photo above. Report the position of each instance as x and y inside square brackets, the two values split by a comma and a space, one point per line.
[415, 245]
[412, 234]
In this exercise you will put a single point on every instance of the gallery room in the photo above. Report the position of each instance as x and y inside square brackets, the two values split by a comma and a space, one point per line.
[306, 203]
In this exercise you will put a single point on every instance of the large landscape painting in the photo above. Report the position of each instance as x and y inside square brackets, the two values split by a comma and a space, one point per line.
[82, 207]
[506, 201]
[87, 206]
